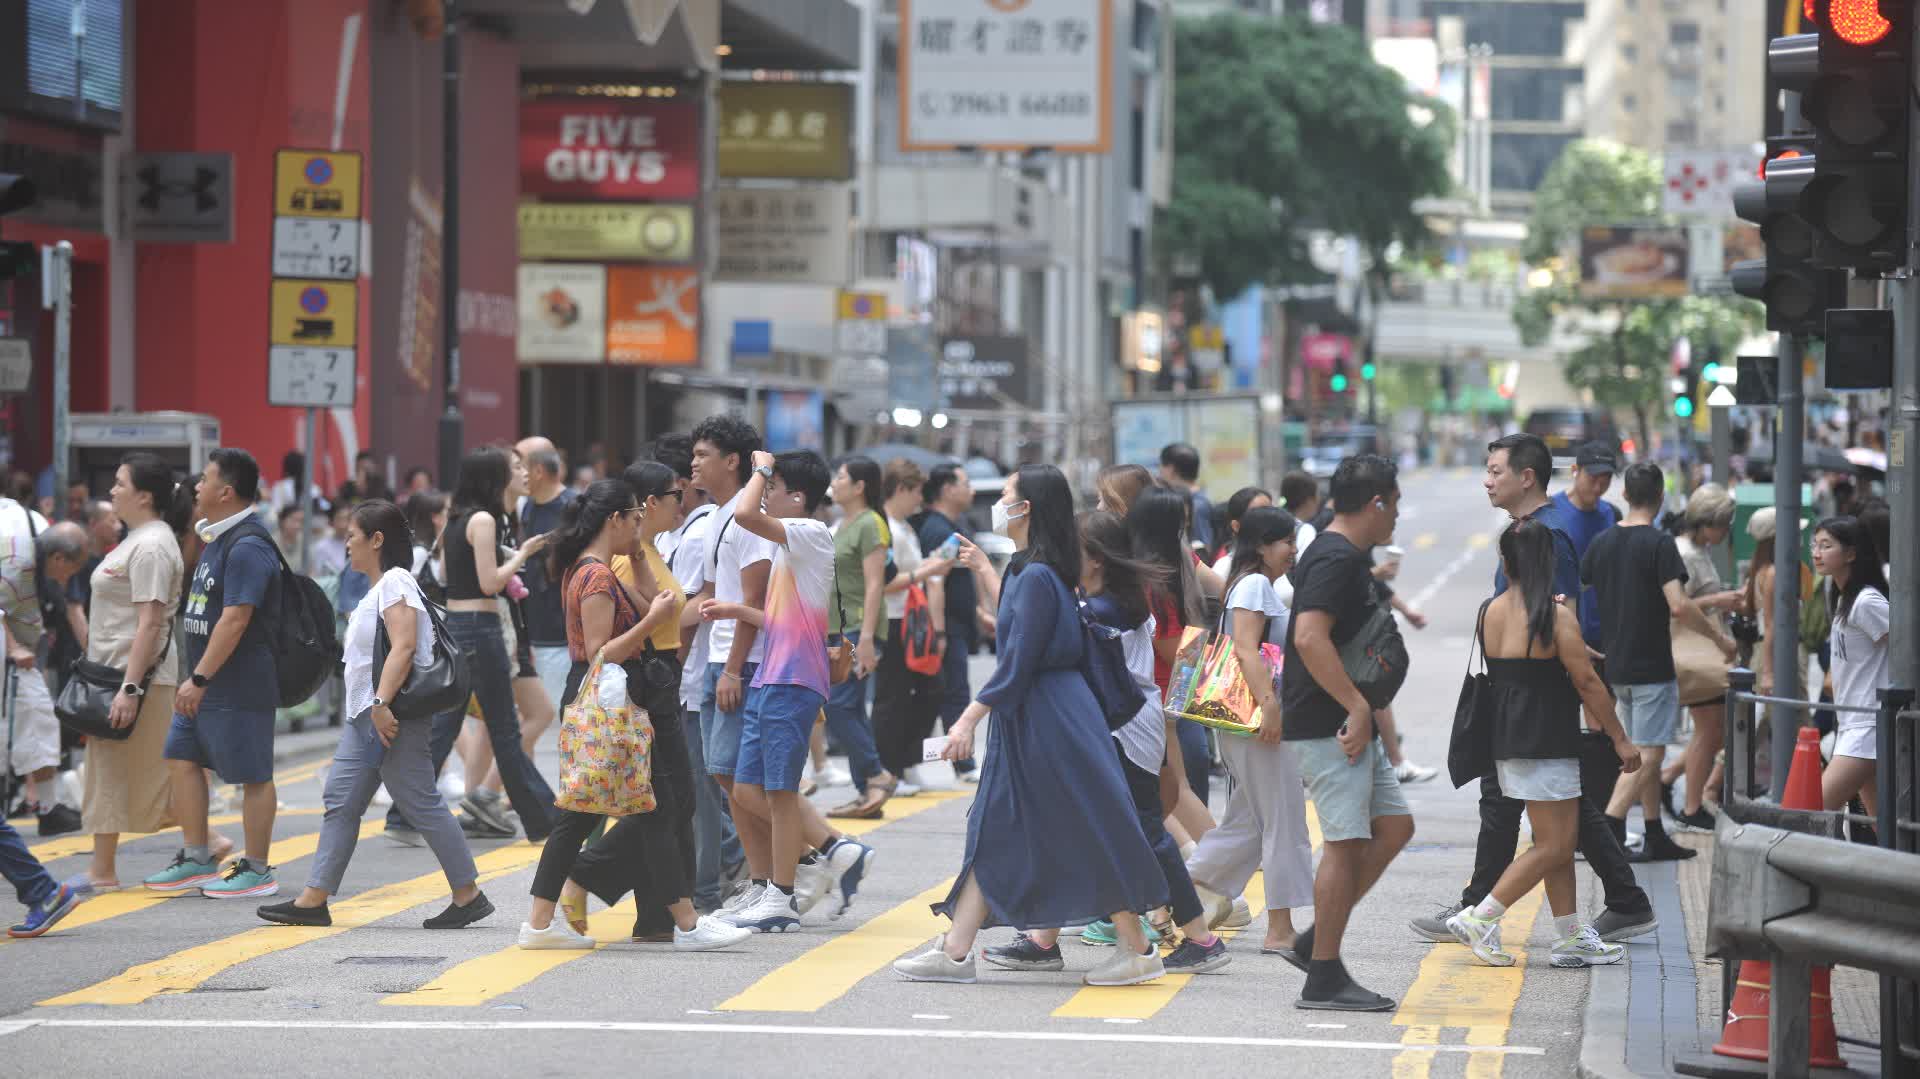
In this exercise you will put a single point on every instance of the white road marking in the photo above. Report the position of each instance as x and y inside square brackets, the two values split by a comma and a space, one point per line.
[1425, 595]
[587, 1026]
[920, 1015]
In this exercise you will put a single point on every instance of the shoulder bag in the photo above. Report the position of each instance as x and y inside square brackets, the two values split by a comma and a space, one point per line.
[442, 685]
[1470, 749]
[86, 700]
[1103, 661]
[1375, 658]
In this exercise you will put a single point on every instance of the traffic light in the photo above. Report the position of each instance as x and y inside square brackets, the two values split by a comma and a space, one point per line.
[17, 259]
[1338, 383]
[1368, 370]
[1796, 292]
[1686, 389]
[1853, 74]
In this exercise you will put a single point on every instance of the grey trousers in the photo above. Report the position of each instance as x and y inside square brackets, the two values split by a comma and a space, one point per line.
[360, 765]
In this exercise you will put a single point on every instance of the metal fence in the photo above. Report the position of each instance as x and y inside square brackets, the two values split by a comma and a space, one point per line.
[1896, 822]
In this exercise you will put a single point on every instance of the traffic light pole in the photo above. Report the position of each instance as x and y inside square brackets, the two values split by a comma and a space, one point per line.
[452, 435]
[1788, 445]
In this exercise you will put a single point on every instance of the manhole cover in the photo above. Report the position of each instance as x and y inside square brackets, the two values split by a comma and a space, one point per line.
[394, 960]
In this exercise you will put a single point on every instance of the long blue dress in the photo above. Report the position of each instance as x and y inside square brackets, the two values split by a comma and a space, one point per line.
[1052, 837]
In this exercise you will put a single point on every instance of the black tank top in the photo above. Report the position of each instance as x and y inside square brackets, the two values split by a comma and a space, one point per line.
[1536, 710]
[463, 577]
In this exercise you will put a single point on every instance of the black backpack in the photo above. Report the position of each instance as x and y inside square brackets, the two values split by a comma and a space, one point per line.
[306, 647]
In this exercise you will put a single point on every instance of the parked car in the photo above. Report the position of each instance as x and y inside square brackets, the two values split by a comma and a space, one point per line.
[1566, 429]
[1333, 445]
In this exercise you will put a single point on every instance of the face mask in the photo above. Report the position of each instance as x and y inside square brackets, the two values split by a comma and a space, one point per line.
[1001, 517]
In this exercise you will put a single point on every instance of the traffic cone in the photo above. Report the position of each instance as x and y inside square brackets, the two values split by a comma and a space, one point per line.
[1745, 1035]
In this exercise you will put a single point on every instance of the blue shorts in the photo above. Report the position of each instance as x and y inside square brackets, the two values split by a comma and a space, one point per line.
[238, 746]
[778, 730]
[720, 731]
[1348, 798]
[1650, 713]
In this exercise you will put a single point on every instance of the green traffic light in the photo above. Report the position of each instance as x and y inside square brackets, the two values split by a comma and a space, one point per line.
[1367, 371]
[1711, 372]
[1683, 407]
[1339, 383]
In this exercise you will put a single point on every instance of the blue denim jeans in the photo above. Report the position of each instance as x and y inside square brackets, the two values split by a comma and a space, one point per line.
[848, 727]
[30, 880]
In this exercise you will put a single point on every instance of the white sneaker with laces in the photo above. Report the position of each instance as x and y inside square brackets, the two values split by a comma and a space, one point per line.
[1586, 949]
[1482, 935]
[708, 934]
[848, 865]
[1409, 772]
[1126, 968]
[772, 912]
[905, 790]
[1242, 915]
[559, 936]
[934, 965]
[811, 883]
[742, 898]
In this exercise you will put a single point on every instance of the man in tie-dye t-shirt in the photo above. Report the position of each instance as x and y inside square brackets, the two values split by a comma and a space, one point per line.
[791, 685]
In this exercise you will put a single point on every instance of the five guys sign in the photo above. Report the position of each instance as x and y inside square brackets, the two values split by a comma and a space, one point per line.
[609, 151]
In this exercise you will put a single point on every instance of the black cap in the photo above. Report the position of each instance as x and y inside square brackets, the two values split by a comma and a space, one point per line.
[1597, 458]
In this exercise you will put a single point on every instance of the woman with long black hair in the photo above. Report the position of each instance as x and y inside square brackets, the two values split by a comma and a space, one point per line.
[642, 851]
[1541, 680]
[475, 576]
[1158, 524]
[1844, 551]
[1052, 839]
[857, 610]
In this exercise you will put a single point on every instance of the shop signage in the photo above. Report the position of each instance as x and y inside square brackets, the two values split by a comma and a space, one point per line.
[986, 373]
[181, 198]
[594, 231]
[653, 315]
[1633, 262]
[317, 314]
[785, 130]
[16, 364]
[1006, 75]
[563, 313]
[613, 150]
[912, 372]
[794, 234]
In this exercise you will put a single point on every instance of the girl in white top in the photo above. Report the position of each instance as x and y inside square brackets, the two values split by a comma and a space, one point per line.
[1844, 551]
[1265, 826]
[1246, 498]
[377, 746]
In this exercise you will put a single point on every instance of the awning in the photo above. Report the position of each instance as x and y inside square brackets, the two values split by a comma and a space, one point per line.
[561, 36]
[793, 35]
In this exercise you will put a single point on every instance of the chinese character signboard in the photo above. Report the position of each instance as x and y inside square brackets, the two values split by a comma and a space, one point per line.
[596, 149]
[794, 234]
[588, 231]
[1006, 74]
[785, 130]
[563, 313]
[1633, 263]
[653, 315]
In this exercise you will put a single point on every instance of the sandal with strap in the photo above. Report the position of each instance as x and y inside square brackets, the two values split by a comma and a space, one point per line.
[859, 809]
[575, 911]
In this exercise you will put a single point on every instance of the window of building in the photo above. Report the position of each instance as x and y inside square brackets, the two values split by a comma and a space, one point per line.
[1684, 33]
[1630, 53]
[1516, 28]
[1521, 161]
[1630, 102]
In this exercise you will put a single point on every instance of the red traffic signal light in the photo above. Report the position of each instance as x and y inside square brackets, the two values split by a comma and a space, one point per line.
[1857, 22]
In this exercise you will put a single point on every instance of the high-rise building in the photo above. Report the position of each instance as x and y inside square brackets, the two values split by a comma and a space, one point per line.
[1675, 73]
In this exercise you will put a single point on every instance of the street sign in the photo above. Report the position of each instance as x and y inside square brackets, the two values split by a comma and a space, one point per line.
[315, 314]
[316, 247]
[310, 377]
[180, 198]
[1208, 345]
[315, 183]
[860, 322]
[16, 364]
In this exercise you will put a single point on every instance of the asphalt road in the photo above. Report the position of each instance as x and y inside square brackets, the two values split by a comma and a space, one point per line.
[131, 976]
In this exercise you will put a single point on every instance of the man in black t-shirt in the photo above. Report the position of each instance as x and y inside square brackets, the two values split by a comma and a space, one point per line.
[1636, 572]
[540, 513]
[1364, 818]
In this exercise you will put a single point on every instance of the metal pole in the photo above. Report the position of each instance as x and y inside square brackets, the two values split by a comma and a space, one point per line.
[451, 434]
[62, 367]
[1788, 447]
[305, 494]
[1722, 436]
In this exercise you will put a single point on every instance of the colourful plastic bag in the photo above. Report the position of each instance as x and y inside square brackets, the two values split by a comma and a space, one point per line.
[1207, 687]
[606, 754]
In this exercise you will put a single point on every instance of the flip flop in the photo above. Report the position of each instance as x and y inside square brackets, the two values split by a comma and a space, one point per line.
[859, 810]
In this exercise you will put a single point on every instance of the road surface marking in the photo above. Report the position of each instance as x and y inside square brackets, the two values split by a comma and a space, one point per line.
[1453, 989]
[69, 845]
[826, 972]
[899, 809]
[1416, 1063]
[736, 1029]
[1137, 1002]
[1425, 540]
[186, 970]
[479, 981]
[1479, 540]
[136, 898]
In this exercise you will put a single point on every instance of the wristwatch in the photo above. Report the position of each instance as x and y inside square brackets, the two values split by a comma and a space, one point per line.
[132, 689]
[199, 680]
[765, 470]
[378, 703]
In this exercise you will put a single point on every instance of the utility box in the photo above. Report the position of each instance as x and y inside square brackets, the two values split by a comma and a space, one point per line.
[98, 440]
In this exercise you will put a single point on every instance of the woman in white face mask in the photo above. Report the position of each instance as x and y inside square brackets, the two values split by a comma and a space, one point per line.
[1052, 839]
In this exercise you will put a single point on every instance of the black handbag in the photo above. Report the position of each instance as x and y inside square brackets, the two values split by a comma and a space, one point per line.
[1470, 749]
[441, 686]
[1375, 658]
[85, 704]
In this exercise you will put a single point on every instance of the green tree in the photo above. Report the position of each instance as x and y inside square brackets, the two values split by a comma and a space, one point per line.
[1622, 360]
[1283, 126]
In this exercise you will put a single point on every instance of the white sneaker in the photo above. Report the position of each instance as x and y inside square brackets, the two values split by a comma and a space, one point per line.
[905, 790]
[745, 894]
[848, 864]
[1409, 772]
[1480, 934]
[708, 934]
[1242, 915]
[934, 965]
[971, 777]
[1218, 908]
[558, 936]
[1586, 949]
[834, 776]
[1126, 968]
[811, 883]
[772, 912]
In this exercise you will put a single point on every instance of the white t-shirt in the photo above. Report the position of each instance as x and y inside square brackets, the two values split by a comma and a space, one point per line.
[1302, 538]
[1223, 564]
[735, 549]
[907, 558]
[794, 639]
[689, 565]
[1255, 593]
[1859, 644]
[394, 586]
[1144, 737]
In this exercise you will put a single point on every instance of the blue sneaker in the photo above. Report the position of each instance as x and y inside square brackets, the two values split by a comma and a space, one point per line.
[44, 915]
[183, 875]
[244, 880]
[1100, 933]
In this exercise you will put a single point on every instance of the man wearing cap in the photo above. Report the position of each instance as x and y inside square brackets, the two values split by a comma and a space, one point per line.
[1582, 512]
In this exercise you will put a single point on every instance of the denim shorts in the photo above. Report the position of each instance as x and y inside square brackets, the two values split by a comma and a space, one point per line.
[720, 731]
[774, 738]
[238, 746]
[1347, 797]
[1650, 713]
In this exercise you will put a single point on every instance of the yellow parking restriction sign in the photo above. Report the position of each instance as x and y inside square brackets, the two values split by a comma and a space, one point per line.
[317, 314]
[316, 183]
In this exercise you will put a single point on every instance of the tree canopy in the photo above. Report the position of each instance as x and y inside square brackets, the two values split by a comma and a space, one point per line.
[1282, 126]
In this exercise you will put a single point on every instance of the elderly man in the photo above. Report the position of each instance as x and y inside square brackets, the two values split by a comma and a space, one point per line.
[103, 535]
[62, 549]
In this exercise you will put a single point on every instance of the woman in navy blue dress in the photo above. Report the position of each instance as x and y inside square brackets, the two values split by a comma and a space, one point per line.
[1052, 838]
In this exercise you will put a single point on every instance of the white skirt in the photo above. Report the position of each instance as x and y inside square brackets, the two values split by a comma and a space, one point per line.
[1554, 779]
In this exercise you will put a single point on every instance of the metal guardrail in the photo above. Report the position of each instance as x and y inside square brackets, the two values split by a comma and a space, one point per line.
[1787, 888]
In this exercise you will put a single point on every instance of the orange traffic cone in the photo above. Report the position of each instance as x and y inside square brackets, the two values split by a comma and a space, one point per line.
[1745, 1035]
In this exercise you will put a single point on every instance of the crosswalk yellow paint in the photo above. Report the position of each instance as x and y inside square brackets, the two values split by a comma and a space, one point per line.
[1144, 1001]
[899, 809]
[191, 968]
[1453, 989]
[480, 980]
[1425, 540]
[137, 898]
[827, 972]
[67, 846]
